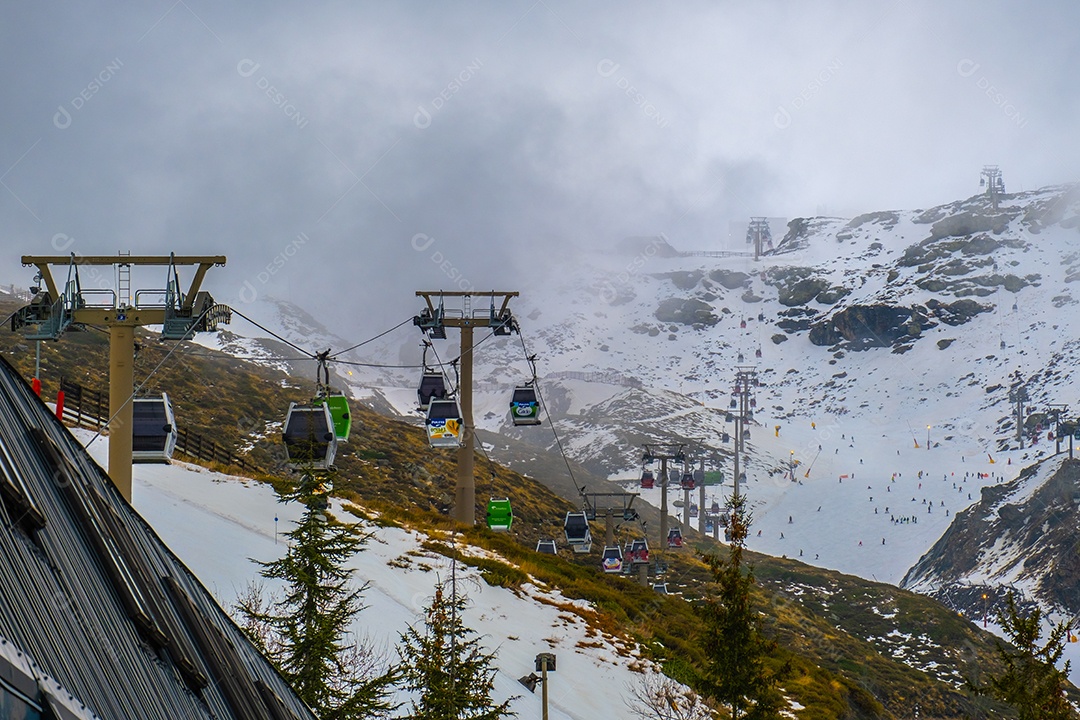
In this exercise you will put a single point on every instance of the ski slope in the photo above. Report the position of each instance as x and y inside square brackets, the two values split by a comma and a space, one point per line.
[217, 524]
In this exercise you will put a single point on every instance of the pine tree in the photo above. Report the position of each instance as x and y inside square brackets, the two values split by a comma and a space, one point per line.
[446, 667]
[737, 675]
[303, 632]
[1030, 680]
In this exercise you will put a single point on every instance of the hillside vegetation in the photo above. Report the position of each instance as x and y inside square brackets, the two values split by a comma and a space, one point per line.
[859, 649]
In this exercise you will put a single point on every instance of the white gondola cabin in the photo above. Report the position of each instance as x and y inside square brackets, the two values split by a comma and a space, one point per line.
[524, 406]
[576, 529]
[444, 424]
[432, 387]
[153, 431]
[612, 560]
[310, 442]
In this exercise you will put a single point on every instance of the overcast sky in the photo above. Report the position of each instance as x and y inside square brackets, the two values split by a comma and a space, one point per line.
[331, 149]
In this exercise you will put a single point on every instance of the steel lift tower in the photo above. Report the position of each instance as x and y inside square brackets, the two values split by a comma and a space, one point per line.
[434, 320]
[181, 314]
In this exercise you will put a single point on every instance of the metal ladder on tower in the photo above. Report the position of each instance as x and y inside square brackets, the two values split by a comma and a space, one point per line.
[123, 281]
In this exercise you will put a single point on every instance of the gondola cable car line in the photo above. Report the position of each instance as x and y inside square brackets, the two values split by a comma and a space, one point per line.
[551, 422]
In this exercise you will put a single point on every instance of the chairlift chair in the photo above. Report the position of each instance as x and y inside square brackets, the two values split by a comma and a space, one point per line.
[524, 407]
[432, 387]
[310, 442]
[499, 514]
[546, 547]
[444, 424]
[153, 430]
[674, 538]
[639, 552]
[576, 529]
[648, 480]
[612, 560]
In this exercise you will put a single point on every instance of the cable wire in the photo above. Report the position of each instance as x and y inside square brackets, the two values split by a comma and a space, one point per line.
[365, 342]
[551, 421]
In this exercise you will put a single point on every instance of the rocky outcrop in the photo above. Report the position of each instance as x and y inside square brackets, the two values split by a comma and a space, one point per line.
[865, 326]
[686, 311]
[1014, 534]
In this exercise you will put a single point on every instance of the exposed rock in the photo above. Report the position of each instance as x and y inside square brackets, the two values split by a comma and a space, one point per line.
[682, 279]
[686, 312]
[863, 326]
[730, 279]
[778, 338]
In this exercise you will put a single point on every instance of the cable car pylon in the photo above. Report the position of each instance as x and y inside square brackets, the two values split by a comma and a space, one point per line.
[433, 320]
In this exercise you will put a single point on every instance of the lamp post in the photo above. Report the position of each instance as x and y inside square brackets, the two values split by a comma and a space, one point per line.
[984, 609]
[791, 464]
[927, 437]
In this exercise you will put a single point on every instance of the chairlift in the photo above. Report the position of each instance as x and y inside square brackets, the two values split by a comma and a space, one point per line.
[674, 538]
[432, 387]
[576, 529]
[499, 514]
[153, 430]
[639, 552]
[310, 442]
[444, 424]
[546, 547]
[648, 480]
[612, 560]
[524, 407]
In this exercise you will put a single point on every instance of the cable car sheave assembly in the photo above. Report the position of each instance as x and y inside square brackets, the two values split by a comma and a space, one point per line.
[180, 314]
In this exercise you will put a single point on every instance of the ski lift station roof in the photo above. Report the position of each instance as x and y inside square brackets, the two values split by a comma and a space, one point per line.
[98, 619]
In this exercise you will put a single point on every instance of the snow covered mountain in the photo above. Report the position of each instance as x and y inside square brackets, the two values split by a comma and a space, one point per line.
[888, 346]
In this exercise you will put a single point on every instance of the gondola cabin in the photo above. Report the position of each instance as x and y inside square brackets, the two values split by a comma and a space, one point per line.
[546, 547]
[338, 405]
[153, 430]
[444, 424]
[612, 560]
[660, 588]
[499, 514]
[576, 529]
[648, 480]
[639, 552]
[687, 482]
[310, 442]
[432, 387]
[524, 407]
[693, 510]
[674, 538]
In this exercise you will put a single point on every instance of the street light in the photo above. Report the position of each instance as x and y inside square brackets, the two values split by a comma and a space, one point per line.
[927, 437]
[984, 609]
[544, 662]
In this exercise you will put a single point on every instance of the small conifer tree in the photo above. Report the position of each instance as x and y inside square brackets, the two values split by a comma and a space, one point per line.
[444, 664]
[1030, 680]
[737, 675]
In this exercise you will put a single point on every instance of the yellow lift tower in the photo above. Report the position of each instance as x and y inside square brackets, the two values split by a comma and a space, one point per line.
[180, 314]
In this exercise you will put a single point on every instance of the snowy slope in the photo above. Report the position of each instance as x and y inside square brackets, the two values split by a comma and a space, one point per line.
[216, 524]
[672, 324]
